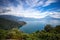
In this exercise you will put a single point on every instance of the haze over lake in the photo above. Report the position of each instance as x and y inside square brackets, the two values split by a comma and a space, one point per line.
[33, 26]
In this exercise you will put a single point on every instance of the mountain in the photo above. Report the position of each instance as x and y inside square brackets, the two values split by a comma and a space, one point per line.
[8, 20]
[9, 24]
[10, 17]
[15, 18]
[39, 19]
[49, 18]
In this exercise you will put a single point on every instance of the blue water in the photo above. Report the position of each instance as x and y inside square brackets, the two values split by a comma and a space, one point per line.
[33, 26]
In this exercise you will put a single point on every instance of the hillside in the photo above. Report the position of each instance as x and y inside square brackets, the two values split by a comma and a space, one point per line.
[9, 24]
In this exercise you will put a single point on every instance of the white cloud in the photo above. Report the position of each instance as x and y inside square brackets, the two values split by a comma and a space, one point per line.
[20, 12]
[48, 2]
[34, 14]
[30, 12]
[34, 3]
[55, 14]
[31, 3]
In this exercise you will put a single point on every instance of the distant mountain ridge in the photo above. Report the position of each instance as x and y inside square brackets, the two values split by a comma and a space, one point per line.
[15, 18]
[10, 17]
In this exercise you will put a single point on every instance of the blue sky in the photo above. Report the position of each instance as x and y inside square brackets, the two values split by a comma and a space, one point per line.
[31, 8]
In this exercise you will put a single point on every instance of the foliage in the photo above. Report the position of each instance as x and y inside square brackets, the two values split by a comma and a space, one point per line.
[49, 33]
[48, 28]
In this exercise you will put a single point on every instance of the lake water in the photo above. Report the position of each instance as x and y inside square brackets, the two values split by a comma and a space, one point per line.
[33, 26]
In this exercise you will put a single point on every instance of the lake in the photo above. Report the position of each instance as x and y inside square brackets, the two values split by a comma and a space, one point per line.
[33, 26]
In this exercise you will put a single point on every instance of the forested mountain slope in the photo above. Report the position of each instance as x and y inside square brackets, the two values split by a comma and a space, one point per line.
[9, 24]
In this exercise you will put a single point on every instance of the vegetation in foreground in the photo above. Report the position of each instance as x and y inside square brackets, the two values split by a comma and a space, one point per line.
[49, 33]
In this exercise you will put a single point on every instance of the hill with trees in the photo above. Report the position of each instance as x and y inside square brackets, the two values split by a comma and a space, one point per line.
[9, 24]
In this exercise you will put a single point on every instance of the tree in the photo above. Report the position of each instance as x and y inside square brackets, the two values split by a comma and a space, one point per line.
[57, 28]
[3, 34]
[48, 28]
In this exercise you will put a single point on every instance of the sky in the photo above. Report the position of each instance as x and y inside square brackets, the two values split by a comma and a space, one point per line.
[30, 8]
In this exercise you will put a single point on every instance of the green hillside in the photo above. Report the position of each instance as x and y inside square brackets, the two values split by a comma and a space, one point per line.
[8, 24]
[49, 33]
